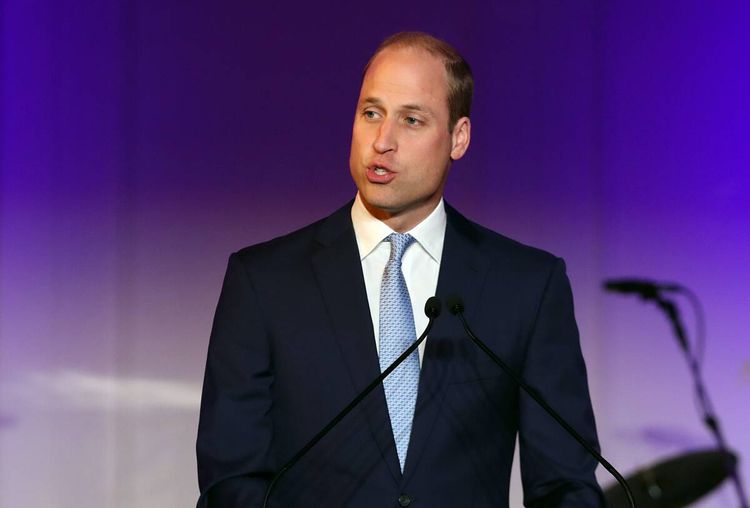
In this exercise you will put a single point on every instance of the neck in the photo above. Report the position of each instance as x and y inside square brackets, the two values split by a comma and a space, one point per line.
[403, 221]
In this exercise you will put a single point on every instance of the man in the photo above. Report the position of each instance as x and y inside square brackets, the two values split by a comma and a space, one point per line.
[306, 321]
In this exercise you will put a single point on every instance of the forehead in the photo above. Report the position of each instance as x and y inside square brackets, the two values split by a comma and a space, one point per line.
[406, 74]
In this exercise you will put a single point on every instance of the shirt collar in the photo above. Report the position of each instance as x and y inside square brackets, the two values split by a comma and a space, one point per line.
[430, 233]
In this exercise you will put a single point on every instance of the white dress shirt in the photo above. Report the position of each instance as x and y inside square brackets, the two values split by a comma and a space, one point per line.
[420, 264]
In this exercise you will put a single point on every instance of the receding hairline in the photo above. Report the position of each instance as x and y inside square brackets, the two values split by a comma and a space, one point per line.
[410, 47]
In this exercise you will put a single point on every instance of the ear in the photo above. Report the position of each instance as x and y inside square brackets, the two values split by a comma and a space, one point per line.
[460, 138]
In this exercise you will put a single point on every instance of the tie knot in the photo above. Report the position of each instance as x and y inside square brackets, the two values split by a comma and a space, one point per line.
[399, 244]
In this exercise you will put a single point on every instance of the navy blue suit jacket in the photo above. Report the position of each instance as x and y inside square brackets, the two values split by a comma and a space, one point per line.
[292, 344]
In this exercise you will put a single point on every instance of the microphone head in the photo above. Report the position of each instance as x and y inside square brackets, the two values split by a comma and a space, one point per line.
[432, 307]
[629, 285]
[455, 305]
[646, 289]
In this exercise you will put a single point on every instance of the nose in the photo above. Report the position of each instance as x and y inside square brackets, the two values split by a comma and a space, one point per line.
[385, 141]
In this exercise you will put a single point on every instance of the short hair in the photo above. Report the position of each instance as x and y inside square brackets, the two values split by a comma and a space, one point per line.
[460, 79]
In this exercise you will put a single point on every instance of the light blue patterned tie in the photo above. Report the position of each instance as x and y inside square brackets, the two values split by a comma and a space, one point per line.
[396, 334]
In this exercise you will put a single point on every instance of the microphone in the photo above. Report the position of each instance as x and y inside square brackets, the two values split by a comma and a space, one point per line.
[646, 289]
[456, 307]
[652, 291]
[432, 310]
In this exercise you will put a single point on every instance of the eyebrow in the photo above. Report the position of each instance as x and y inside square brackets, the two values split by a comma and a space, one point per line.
[372, 100]
[408, 107]
[416, 107]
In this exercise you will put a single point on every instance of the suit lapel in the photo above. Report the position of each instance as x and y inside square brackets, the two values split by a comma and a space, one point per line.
[338, 272]
[462, 272]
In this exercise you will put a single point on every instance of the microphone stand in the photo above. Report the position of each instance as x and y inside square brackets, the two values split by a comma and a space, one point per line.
[709, 417]
[432, 309]
[456, 308]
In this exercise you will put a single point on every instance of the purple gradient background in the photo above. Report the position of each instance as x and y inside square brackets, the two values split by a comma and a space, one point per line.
[142, 142]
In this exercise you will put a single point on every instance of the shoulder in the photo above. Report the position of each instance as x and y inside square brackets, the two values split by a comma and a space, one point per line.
[500, 249]
[297, 245]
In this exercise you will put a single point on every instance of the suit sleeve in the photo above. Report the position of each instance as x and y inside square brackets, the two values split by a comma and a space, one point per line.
[556, 470]
[235, 429]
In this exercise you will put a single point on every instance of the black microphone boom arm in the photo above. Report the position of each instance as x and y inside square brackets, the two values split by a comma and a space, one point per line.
[456, 307]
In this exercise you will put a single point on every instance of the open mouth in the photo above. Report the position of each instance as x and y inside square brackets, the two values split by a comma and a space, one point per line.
[379, 174]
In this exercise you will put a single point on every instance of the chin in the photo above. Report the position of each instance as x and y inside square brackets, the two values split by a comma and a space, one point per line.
[380, 206]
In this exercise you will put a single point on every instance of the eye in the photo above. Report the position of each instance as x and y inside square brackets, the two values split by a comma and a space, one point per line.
[410, 120]
[370, 114]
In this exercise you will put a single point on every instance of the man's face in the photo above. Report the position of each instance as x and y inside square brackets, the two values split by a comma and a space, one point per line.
[401, 147]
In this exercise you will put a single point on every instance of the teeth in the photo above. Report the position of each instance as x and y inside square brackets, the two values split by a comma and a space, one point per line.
[380, 171]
